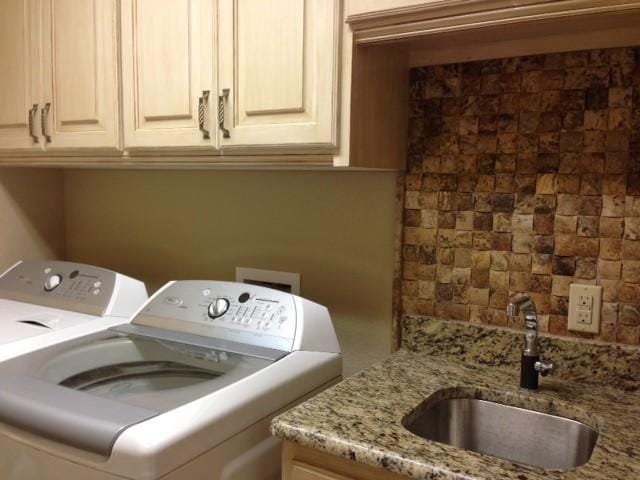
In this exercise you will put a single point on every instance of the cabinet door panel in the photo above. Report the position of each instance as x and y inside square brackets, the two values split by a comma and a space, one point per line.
[81, 76]
[19, 78]
[279, 60]
[168, 59]
[270, 58]
[301, 471]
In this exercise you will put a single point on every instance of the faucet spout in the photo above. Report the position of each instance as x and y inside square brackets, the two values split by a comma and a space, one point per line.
[531, 365]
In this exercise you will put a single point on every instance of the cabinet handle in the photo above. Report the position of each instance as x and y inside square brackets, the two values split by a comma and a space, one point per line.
[32, 115]
[44, 115]
[202, 103]
[221, 99]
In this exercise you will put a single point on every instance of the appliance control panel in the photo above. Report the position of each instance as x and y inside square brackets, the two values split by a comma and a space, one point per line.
[65, 285]
[230, 311]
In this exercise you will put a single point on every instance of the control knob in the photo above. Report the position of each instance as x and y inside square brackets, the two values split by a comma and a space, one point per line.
[52, 282]
[218, 308]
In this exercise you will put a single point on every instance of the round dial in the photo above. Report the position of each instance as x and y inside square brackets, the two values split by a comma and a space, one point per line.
[52, 282]
[218, 308]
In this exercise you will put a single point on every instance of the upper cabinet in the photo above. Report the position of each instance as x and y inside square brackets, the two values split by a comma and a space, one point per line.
[59, 86]
[20, 80]
[278, 73]
[168, 73]
[114, 80]
[80, 102]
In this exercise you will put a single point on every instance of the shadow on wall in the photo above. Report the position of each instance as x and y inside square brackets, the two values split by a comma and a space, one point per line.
[31, 214]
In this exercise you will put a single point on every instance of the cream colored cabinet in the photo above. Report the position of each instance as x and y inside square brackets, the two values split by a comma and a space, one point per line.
[59, 82]
[303, 463]
[20, 76]
[278, 73]
[302, 471]
[80, 103]
[168, 60]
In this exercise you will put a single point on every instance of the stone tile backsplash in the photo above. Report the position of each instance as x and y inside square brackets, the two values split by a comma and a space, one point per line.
[524, 176]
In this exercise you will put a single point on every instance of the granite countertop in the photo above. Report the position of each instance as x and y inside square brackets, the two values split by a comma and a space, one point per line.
[362, 418]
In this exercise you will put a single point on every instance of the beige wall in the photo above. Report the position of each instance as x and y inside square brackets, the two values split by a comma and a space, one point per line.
[334, 228]
[31, 215]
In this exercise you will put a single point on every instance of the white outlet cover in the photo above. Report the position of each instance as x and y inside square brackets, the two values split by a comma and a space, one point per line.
[580, 296]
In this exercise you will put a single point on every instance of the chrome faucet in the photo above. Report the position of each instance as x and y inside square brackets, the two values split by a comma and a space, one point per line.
[530, 364]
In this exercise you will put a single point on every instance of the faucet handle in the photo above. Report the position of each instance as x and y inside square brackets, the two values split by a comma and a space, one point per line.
[544, 367]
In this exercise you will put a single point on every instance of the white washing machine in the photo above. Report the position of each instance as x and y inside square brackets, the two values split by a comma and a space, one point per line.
[47, 302]
[185, 391]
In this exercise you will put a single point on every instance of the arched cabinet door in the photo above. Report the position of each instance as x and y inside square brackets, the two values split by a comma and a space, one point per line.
[168, 61]
[279, 73]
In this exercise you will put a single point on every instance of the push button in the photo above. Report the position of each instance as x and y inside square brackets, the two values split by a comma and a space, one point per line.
[173, 300]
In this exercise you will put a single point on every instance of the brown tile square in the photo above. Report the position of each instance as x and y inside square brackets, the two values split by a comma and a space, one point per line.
[547, 183]
[614, 184]
[503, 202]
[522, 223]
[543, 224]
[500, 241]
[613, 205]
[611, 227]
[505, 163]
[522, 242]
[619, 118]
[595, 141]
[518, 262]
[541, 263]
[596, 119]
[568, 183]
[632, 228]
[588, 226]
[502, 222]
[586, 267]
[482, 221]
[591, 184]
[543, 244]
[500, 260]
[611, 248]
[609, 269]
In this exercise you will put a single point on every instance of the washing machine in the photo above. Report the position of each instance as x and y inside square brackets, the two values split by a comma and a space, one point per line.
[184, 391]
[50, 301]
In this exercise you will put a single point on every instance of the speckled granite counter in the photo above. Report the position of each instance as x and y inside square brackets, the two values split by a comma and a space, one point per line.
[361, 418]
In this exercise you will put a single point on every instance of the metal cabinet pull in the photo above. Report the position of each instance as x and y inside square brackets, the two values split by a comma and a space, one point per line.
[202, 103]
[221, 99]
[32, 115]
[44, 114]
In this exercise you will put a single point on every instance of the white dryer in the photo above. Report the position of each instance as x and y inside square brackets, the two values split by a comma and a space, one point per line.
[185, 391]
[46, 302]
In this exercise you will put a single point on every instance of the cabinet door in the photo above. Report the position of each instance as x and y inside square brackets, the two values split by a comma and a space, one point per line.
[167, 77]
[20, 85]
[279, 61]
[80, 74]
[301, 471]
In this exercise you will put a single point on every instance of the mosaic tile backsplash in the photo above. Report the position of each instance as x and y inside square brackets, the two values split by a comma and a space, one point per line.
[524, 176]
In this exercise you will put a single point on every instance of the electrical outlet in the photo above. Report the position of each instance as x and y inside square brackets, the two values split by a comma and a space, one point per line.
[584, 308]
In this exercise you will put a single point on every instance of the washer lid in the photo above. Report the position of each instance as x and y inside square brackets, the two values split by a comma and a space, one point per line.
[87, 391]
[75, 418]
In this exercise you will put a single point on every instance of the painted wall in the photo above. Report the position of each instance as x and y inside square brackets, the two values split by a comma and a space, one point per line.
[334, 228]
[31, 215]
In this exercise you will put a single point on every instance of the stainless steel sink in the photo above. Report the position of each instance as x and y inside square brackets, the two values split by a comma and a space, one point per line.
[512, 433]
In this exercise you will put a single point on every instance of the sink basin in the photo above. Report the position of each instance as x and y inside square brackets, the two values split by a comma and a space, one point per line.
[511, 433]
